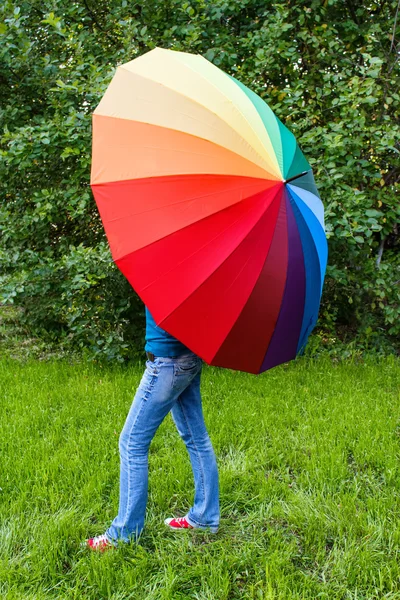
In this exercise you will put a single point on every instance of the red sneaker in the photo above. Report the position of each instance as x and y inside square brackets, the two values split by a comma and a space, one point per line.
[100, 543]
[178, 523]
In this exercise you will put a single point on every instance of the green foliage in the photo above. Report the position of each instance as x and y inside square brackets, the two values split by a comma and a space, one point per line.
[80, 298]
[330, 70]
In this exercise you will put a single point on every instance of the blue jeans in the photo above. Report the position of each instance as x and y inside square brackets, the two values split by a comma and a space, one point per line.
[168, 384]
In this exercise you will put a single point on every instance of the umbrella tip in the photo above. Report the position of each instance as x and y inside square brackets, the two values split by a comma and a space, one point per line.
[296, 176]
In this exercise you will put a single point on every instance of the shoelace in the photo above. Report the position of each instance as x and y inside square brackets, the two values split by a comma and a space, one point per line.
[100, 540]
[182, 521]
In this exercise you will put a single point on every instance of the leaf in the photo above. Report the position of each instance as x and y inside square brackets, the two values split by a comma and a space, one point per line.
[372, 212]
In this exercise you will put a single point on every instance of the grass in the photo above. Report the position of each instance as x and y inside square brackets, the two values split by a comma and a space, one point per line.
[308, 456]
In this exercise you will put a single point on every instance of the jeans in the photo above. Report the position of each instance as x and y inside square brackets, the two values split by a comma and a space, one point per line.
[168, 384]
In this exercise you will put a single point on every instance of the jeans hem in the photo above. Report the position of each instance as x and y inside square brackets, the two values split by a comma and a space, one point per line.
[132, 539]
[196, 525]
[112, 540]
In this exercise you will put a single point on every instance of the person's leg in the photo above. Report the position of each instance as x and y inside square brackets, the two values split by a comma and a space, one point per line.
[152, 402]
[187, 414]
[161, 385]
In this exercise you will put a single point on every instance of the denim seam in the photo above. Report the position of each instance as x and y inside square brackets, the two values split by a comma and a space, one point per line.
[144, 399]
[197, 452]
[153, 369]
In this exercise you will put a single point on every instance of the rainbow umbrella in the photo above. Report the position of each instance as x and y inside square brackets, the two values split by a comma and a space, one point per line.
[210, 209]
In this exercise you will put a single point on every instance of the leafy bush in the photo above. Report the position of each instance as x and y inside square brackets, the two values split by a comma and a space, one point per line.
[329, 70]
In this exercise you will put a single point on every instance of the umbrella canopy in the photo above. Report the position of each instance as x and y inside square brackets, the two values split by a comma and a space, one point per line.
[210, 209]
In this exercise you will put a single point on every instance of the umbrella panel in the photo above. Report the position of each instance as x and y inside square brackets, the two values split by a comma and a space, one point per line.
[177, 284]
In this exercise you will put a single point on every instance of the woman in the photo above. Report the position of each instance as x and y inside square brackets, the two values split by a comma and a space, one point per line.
[171, 382]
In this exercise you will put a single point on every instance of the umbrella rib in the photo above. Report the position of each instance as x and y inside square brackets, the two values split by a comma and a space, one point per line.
[193, 153]
[287, 283]
[207, 244]
[292, 199]
[198, 250]
[183, 201]
[233, 281]
[318, 224]
[295, 187]
[252, 96]
[214, 113]
[237, 318]
[297, 176]
[261, 163]
[225, 259]
[244, 266]
[234, 105]
[263, 168]
[191, 117]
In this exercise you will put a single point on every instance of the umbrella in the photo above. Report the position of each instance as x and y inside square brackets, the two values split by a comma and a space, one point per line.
[210, 209]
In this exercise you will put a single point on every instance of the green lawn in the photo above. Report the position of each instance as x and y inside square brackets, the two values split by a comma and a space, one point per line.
[309, 473]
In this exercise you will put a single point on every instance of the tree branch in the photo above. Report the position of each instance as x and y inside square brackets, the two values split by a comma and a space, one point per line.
[394, 26]
[95, 21]
[352, 12]
[389, 175]
[395, 61]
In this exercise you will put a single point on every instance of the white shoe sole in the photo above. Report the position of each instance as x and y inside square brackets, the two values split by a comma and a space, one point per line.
[168, 521]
